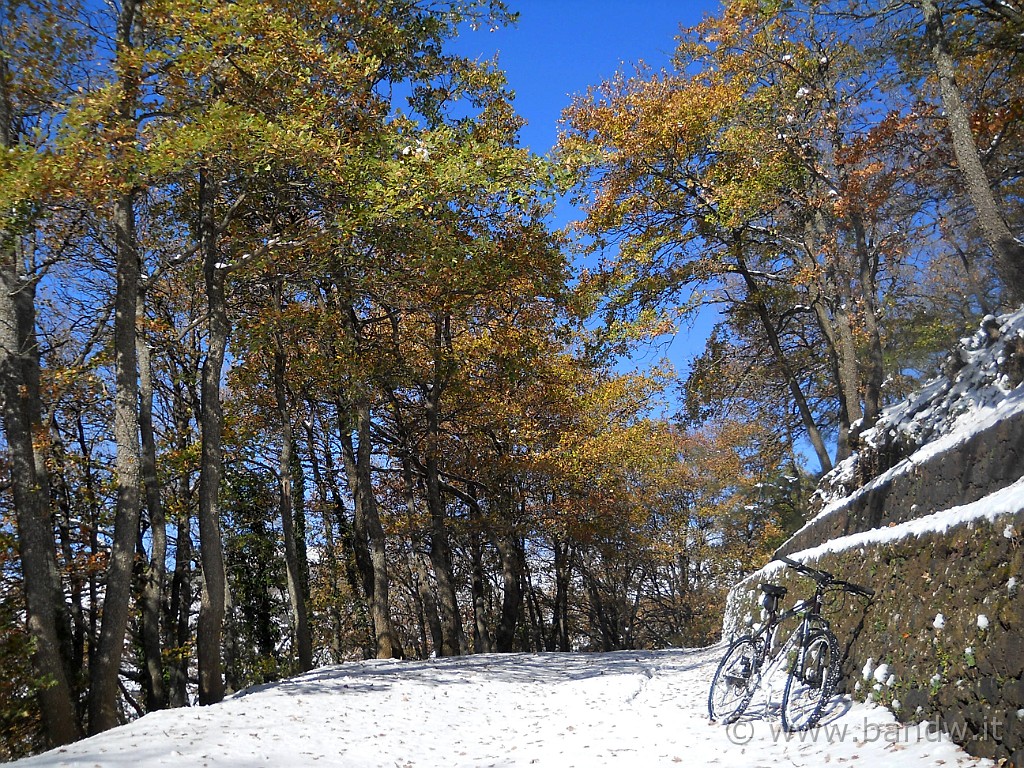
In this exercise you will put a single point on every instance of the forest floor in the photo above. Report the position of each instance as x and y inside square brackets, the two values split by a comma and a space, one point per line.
[636, 708]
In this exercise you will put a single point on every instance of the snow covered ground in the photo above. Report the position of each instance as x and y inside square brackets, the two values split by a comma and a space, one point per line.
[624, 709]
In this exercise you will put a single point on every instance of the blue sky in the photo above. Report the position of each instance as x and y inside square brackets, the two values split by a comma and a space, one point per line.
[561, 47]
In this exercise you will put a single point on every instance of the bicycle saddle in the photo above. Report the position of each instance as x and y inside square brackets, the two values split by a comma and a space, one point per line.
[773, 590]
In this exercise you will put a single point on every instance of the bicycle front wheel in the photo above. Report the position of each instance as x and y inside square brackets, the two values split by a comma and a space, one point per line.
[735, 680]
[812, 680]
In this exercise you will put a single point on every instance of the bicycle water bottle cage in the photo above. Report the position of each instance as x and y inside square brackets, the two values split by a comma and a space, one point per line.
[772, 595]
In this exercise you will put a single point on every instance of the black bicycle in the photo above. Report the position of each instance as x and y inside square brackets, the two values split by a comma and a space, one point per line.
[810, 652]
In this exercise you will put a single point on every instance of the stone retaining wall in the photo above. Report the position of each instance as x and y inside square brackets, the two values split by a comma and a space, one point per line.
[966, 668]
[985, 462]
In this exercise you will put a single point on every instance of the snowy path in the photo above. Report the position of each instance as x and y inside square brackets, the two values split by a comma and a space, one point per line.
[622, 709]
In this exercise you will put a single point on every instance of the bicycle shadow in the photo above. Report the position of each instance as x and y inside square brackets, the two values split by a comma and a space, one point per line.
[766, 706]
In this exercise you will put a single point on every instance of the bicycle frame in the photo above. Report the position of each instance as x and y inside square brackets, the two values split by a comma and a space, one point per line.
[809, 613]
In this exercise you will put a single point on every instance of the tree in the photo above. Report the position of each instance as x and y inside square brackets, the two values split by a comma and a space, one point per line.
[30, 57]
[971, 57]
[1008, 249]
[257, 574]
[103, 691]
[767, 170]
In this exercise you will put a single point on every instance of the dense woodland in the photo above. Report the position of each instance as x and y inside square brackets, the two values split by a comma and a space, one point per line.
[295, 370]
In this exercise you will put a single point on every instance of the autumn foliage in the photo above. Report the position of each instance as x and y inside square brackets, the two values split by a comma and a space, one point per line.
[295, 370]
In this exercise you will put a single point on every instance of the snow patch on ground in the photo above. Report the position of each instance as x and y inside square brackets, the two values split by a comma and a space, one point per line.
[642, 708]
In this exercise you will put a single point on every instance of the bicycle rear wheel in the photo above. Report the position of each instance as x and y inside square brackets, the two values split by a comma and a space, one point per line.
[735, 680]
[812, 680]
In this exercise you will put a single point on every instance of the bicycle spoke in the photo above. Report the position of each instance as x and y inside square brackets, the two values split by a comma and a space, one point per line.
[735, 681]
[811, 682]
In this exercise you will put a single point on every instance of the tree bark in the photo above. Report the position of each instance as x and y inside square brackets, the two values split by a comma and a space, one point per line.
[345, 532]
[561, 606]
[454, 640]
[481, 634]
[370, 533]
[156, 570]
[539, 631]
[847, 375]
[46, 613]
[103, 693]
[513, 569]
[87, 633]
[65, 518]
[179, 607]
[47, 616]
[1007, 250]
[831, 304]
[104, 688]
[417, 561]
[296, 591]
[333, 575]
[211, 551]
[874, 366]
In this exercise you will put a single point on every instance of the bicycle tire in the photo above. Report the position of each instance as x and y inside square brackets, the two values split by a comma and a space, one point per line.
[735, 680]
[813, 677]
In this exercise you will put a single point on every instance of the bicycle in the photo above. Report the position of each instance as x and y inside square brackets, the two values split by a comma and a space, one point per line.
[811, 653]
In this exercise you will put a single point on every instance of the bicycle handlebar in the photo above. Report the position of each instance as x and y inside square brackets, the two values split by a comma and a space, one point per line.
[855, 589]
[824, 578]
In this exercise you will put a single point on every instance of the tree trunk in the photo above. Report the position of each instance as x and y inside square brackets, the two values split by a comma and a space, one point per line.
[847, 376]
[600, 618]
[387, 639]
[370, 534]
[542, 638]
[211, 552]
[359, 539]
[513, 567]
[561, 607]
[333, 575]
[230, 643]
[349, 547]
[179, 607]
[344, 526]
[299, 520]
[832, 310]
[454, 640]
[153, 586]
[178, 615]
[296, 591]
[874, 366]
[806, 417]
[89, 631]
[65, 519]
[103, 692]
[417, 561]
[46, 613]
[481, 634]
[1007, 250]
